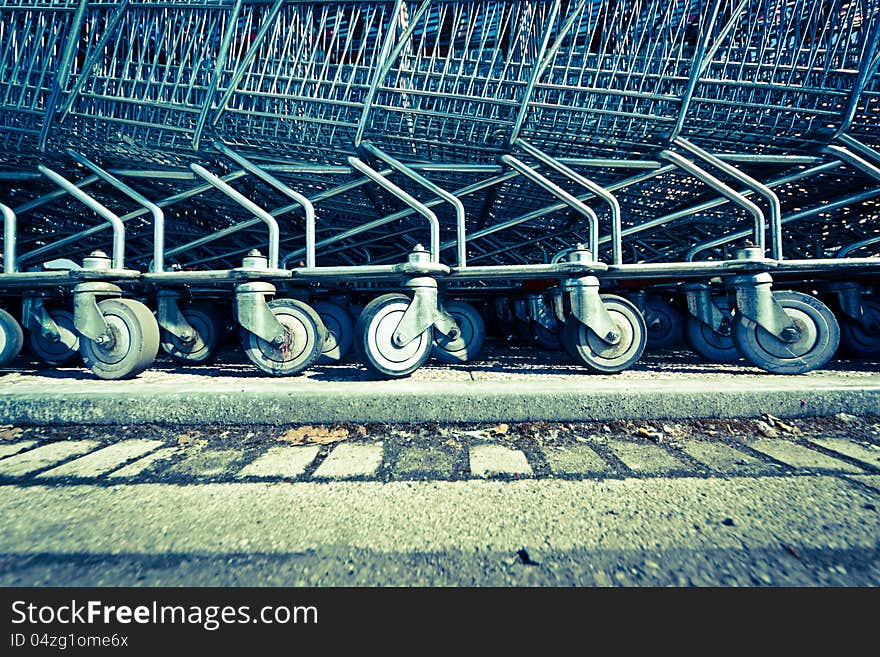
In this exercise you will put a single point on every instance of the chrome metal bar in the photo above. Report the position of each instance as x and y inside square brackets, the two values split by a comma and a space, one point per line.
[827, 207]
[598, 190]
[853, 160]
[760, 188]
[271, 180]
[571, 201]
[724, 190]
[250, 206]
[155, 210]
[9, 237]
[415, 204]
[114, 221]
[458, 206]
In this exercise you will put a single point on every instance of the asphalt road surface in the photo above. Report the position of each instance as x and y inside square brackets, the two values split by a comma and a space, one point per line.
[756, 502]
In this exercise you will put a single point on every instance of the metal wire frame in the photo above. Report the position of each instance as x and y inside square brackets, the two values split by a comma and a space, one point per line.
[36, 55]
[211, 24]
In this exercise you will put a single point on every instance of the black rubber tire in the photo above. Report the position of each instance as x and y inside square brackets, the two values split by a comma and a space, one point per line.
[306, 332]
[467, 346]
[339, 331]
[858, 341]
[664, 323]
[373, 339]
[136, 341]
[11, 338]
[820, 337]
[545, 338]
[64, 352]
[705, 342]
[594, 354]
[208, 325]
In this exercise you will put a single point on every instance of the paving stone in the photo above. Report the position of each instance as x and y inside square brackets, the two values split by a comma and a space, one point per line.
[43, 457]
[8, 449]
[208, 462]
[281, 461]
[577, 459]
[413, 460]
[349, 461]
[490, 460]
[799, 456]
[142, 464]
[641, 457]
[854, 450]
[724, 458]
[103, 460]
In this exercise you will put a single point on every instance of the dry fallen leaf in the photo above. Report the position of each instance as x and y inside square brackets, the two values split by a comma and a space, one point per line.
[500, 429]
[8, 432]
[790, 428]
[766, 429]
[451, 443]
[191, 439]
[651, 434]
[318, 435]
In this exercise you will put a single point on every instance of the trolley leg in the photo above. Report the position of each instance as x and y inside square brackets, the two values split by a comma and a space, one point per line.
[702, 306]
[87, 317]
[755, 300]
[170, 317]
[423, 312]
[589, 309]
[852, 305]
[253, 313]
[37, 319]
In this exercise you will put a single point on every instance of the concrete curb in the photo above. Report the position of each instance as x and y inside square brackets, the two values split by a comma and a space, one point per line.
[400, 402]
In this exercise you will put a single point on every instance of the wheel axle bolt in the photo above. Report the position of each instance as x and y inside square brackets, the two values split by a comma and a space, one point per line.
[453, 334]
[612, 337]
[278, 339]
[789, 334]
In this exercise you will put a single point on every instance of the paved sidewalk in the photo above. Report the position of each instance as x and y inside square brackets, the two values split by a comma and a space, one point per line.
[512, 384]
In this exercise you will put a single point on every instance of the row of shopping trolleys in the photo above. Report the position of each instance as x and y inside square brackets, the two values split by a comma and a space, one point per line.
[776, 315]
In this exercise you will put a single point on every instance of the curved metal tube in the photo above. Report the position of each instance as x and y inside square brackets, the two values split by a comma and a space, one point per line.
[271, 180]
[598, 190]
[454, 201]
[250, 206]
[414, 203]
[724, 190]
[114, 221]
[853, 160]
[572, 201]
[155, 210]
[8, 239]
[748, 181]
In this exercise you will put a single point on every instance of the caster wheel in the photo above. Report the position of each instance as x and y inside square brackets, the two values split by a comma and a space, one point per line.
[713, 346]
[135, 341]
[858, 341]
[545, 338]
[819, 337]
[664, 324]
[374, 343]
[305, 333]
[466, 347]
[11, 338]
[599, 356]
[64, 352]
[339, 335]
[202, 348]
